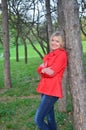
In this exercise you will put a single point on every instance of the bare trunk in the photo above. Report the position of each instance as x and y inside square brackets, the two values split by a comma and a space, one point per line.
[7, 79]
[17, 48]
[60, 19]
[62, 104]
[49, 20]
[25, 49]
[75, 63]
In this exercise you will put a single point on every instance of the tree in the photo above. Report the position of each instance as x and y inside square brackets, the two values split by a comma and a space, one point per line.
[32, 20]
[75, 63]
[62, 104]
[49, 20]
[7, 77]
[83, 16]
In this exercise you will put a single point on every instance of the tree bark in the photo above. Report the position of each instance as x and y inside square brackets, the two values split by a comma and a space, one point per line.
[7, 77]
[17, 47]
[25, 50]
[62, 104]
[75, 63]
[49, 20]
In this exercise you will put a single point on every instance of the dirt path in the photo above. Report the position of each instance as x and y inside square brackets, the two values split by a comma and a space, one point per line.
[11, 98]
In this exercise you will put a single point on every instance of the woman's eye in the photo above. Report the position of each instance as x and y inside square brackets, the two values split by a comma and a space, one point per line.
[57, 41]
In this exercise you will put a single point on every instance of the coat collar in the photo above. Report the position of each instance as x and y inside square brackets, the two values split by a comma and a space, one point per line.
[54, 52]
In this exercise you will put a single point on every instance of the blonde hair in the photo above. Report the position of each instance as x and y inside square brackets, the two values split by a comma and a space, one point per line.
[60, 36]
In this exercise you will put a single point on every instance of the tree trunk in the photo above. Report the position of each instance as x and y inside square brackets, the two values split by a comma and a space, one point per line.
[62, 104]
[7, 79]
[25, 49]
[75, 63]
[49, 20]
[61, 23]
[17, 47]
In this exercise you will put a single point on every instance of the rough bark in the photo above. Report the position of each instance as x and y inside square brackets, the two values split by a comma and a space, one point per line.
[62, 104]
[75, 63]
[7, 77]
[25, 50]
[17, 47]
[49, 20]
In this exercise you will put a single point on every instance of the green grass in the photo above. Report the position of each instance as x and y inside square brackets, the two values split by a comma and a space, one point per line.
[31, 52]
[18, 114]
[19, 103]
[84, 46]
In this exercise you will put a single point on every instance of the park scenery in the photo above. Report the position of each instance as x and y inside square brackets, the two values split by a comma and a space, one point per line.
[25, 29]
[18, 104]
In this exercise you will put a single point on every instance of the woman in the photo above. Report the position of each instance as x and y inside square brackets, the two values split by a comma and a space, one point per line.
[50, 85]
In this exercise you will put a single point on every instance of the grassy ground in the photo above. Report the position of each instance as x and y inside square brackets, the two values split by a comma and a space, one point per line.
[19, 103]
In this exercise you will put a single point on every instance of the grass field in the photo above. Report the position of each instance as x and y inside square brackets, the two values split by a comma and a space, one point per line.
[19, 103]
[31, 52]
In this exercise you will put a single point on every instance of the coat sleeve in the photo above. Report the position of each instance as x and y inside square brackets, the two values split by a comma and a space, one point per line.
[39, 69]
[59, 64]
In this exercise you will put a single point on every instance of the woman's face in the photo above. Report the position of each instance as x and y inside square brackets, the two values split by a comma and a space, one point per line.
[55, 43]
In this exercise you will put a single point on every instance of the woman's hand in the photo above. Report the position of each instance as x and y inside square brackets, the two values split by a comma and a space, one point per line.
[43, 65]
[48, 71]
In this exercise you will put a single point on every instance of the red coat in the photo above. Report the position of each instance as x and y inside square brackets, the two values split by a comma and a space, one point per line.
[52, 85]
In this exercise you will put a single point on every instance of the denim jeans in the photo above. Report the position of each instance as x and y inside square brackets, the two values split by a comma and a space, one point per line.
[46, 109]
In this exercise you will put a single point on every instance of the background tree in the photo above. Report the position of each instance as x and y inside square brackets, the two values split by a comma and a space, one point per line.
[17, 22]
[7, 77]
[30, 21]
[82, 13]
[48, 19]
[28, 17]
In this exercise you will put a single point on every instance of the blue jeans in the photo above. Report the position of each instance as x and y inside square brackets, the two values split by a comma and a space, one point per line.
[46, 109]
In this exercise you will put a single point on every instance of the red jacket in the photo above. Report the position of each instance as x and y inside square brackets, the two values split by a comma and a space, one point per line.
[52, 85]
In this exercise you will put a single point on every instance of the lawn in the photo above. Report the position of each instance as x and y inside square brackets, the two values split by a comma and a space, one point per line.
[31, 52]
[19, 103]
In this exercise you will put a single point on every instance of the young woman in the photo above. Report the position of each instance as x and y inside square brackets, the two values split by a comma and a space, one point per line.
[50, 85]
